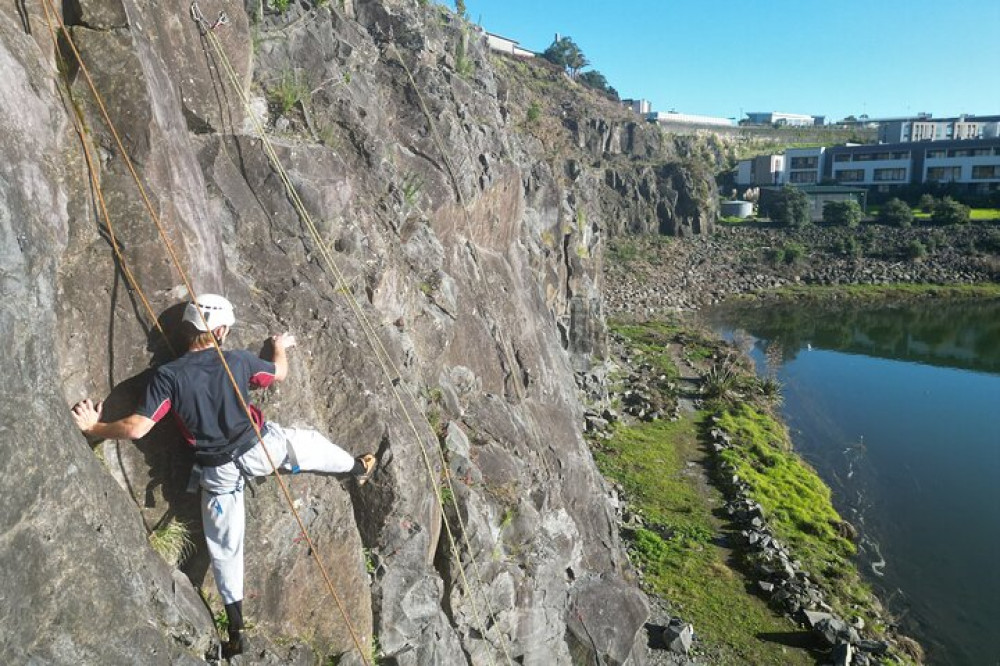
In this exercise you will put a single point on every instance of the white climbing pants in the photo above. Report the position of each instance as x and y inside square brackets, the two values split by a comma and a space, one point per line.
[222, 511]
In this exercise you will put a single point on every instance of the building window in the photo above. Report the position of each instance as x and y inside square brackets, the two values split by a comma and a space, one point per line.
[960, 153]
[981, 152]
[931, 154]
[802, 177]
[901, 155]
[842, 157]
[850, 175]
[943, 174]
[986, 172]
[805, 162]
[890, 174]
[863, 157]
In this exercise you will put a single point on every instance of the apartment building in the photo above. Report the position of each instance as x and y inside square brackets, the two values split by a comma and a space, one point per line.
[804, 166]
[972, 165]
[925, 128]
[761, 170]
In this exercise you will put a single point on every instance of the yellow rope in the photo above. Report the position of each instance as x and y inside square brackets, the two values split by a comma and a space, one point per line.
[49, 12]
[383, 357]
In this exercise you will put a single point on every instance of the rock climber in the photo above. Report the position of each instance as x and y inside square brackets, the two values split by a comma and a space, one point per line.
[228, 451]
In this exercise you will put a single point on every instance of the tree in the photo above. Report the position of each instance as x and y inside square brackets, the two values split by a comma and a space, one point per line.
[565, 53]
[596, 81]
[788, 207]
[896, 213]
[460, 8]
[949, 211]
[845, 213]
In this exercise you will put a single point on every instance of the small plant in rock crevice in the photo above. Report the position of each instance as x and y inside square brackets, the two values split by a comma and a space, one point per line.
[172, 540]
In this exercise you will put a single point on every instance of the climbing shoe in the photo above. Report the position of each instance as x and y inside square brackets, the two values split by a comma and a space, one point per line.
[367, 462]
[237, 644]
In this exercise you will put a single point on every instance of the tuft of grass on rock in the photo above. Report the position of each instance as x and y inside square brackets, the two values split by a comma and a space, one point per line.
[172, 540]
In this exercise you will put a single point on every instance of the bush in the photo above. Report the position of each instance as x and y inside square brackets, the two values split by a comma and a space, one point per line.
[788, 207]
[849, 247]
[794, 252]
[842, 213]
[534, 112]
[927, 202]
[915, 250]
[949, 211]
[896, 213]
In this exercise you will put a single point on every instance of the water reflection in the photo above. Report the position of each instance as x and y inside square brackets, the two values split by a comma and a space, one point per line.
[894, 406]
[959, 334]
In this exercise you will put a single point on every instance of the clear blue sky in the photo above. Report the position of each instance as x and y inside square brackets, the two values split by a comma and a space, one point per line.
[821, 57]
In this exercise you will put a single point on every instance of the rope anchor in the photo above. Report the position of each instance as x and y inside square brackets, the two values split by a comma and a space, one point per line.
[199, 18]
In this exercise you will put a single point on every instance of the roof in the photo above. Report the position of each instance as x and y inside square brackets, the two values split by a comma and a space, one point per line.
[821, 189]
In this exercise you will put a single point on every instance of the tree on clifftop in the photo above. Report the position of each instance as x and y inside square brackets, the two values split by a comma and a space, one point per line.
[596, 81]
[565, 53]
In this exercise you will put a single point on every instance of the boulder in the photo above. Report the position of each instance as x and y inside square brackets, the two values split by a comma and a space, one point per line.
[678, 636]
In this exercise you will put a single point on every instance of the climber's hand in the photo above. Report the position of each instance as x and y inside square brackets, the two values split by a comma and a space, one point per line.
[86, 414]
[283, 341]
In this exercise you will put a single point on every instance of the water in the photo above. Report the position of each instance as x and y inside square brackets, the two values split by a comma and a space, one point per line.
[898, 408]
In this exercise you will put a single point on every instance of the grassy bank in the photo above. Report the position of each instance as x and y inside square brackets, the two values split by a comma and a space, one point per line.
[680, 543]
[878, 292]
[683, 543]
[677, 549]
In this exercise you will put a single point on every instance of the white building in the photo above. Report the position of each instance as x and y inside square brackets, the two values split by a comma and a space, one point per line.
[761, 170]
[641, 106]
[925, 128]
[672, 117]
[978, 168]
[508, 46]
[803, 166]
[778, 118]
[871, 165]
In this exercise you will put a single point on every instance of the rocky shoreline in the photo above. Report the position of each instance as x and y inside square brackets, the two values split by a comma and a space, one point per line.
[644, 277]
[651, 277]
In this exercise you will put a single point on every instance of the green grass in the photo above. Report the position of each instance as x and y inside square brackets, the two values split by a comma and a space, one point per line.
[651, 339]
[796, 503]
[172, 541]
[875, 292]
[985, 214]
[675, 550]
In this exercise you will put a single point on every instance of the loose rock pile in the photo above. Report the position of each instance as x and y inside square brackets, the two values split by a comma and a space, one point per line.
[781, 578]
[689, 273]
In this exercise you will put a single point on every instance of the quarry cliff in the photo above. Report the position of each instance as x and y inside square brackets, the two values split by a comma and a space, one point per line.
[464, 199]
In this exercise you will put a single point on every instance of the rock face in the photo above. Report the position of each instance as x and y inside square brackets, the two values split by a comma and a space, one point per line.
[447, 294]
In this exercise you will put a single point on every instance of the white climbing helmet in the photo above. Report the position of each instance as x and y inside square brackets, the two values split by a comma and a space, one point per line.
[216, 310]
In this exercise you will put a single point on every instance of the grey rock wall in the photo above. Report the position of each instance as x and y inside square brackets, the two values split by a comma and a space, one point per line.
[474, 267]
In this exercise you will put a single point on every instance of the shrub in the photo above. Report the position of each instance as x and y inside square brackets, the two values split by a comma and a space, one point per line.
[849, 247]
[915, 250]
[793, 252]
[927, 202]
[534, 112]
[842, 213]
[949, 211]
[290, 90]
[789, 207]
[896, 213]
